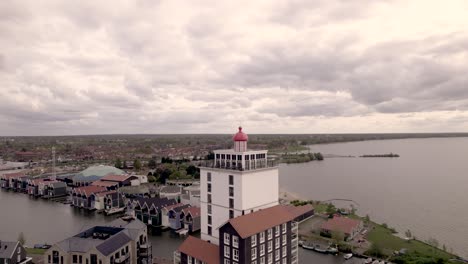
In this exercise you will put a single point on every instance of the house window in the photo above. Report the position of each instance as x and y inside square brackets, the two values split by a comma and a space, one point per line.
[277, 242]
[254, 254]
[208, 176]
[74, 259]
[231, 203]
[284, 228]
[254, 240]
[231, 214]
[235, 254]
[262, 260]
[231, 180]
[227, 261]
[285, 261]
[262, 249]
[277, 230]
[209, 208]
[209, 187]
[277, 255]
[235, 241]
[209, 230]
[231, 191]
[227, 251]
[262, 237]
[209, 219]
[270, 246]
[189, 259]
[284, 240]
[270, 258]
[227, 239]
[285, 252]
[270, 234]
[209, 198]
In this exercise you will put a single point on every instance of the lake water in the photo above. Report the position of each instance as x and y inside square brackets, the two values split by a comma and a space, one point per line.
[424, 190]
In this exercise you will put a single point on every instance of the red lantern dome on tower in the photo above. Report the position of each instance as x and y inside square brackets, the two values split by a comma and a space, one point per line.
[240, 136]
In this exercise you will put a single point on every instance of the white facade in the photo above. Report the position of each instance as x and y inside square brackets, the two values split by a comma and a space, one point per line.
[238, 182]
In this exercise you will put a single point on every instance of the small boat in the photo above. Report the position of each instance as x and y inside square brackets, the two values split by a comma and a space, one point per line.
[114, 210]
[375, 262]
[308, 246]
[332, 250]
[348, 256]
[368, 261]
[318, 249]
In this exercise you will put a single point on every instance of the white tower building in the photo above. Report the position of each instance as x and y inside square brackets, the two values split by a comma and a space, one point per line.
[238, 182]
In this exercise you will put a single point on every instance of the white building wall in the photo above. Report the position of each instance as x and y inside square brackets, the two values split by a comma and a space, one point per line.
[253, 190]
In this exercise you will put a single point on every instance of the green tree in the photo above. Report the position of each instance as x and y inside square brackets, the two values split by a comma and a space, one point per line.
[118, 163]
[21, 238]
[331, 209]
[151, 178]
[367, 219]
[152, 164]
[338, 237]
[125, 165]
[137, 165]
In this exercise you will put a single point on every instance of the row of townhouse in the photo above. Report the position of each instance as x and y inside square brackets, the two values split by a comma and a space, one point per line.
[40, 187]
[166, 213]
[97, 198]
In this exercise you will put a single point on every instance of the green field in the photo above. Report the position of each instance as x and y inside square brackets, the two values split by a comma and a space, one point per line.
[389, 243]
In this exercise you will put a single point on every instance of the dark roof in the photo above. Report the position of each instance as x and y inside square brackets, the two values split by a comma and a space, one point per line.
[113, 243]
[7, 248]
[200, 249]
[155, 202]
[256, 222]
[171, 189]
[178, 209]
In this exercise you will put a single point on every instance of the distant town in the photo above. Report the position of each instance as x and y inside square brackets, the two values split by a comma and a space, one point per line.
[202, 187]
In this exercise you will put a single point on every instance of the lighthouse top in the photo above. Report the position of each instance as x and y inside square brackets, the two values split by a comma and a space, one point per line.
[240, 136]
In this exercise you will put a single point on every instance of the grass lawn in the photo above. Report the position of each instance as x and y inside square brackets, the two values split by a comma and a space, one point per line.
[35, 251]
[388, 242]
[320, 208]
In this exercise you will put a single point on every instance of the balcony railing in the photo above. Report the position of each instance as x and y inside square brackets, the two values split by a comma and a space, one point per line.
[122, 258]
[238, 166]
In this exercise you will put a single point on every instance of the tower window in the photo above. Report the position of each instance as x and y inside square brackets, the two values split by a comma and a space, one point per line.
[231, 191]
[209, 230]
[209, 187]
[209, 198]
[231, 214]
[209, 208]
[209, 219]
[208, 176]
[231, 203]
[231, 179]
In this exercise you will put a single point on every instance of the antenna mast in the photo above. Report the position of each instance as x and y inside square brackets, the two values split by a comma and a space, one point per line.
[54, 175]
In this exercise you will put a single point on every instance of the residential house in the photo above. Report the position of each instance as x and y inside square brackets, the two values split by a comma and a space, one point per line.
[9, 180]
[347, 226]
[119, 242]
[53, 189]
[36, 187]
[176, 217]
[121, 180]
[165, 213]
[12, 253]
[191, 195]
[191, 220]
[84, 197]
[113, 200]
[148, 210]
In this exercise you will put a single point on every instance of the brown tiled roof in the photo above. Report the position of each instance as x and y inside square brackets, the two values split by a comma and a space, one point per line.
[88, 190]
[104, 184]
[194, 211]
[115, 178]
[105, 193]
[299, 210]
[256, 222]
[343, 224]
[13, 175]
[200, 249]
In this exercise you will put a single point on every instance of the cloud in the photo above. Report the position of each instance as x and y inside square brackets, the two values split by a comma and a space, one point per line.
[180, 67]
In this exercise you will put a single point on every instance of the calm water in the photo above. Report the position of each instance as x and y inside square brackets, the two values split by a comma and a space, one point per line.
[425, 190]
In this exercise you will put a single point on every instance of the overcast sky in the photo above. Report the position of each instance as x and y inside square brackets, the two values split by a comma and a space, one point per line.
[325, 66]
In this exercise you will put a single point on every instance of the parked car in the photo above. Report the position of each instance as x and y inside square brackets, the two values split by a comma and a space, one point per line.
[348, 256]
